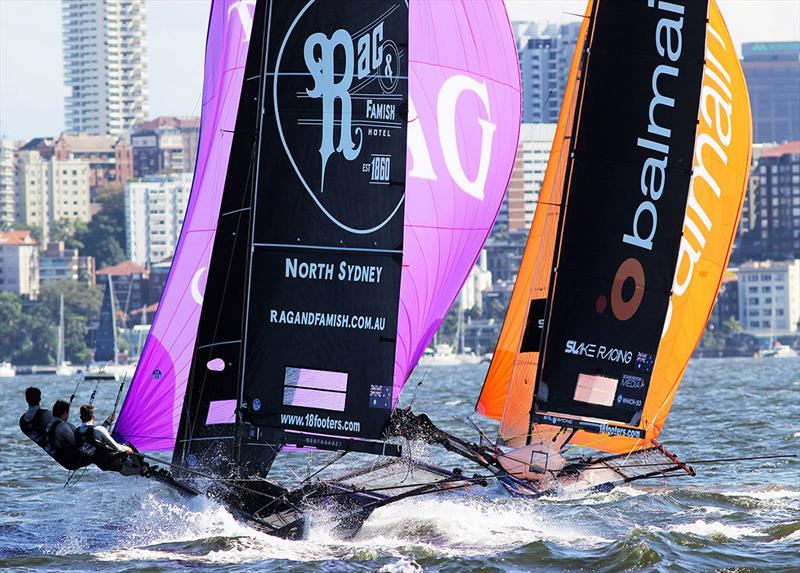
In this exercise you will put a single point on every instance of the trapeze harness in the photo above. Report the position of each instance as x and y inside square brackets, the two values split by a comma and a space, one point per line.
[68, 455]
[91, 451]
[34, 428]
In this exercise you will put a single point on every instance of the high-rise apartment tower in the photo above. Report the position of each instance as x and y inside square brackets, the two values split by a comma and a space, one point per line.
[545, 56]
[105, 65]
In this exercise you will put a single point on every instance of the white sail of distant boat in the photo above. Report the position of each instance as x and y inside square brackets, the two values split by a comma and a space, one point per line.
[63, 368]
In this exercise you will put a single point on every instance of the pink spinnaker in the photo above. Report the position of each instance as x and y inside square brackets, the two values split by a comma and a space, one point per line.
[463, 130]
[463, 68]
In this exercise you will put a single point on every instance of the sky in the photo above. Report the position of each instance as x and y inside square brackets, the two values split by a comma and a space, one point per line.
[31, 79]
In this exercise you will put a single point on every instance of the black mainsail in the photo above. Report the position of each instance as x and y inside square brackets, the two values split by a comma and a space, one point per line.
[296, 340]
[105, 347]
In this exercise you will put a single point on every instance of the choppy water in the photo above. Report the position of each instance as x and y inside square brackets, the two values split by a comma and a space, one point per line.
[742, 517]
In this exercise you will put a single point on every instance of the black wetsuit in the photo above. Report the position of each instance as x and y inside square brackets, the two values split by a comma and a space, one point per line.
[94, 452]
[64, 451]
[36, 427]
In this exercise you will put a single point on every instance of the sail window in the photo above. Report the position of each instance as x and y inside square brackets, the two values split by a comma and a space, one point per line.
[307, 388]
[594, 389]
[221, 412]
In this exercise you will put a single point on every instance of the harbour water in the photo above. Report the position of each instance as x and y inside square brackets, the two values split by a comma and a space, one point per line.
[741, 516]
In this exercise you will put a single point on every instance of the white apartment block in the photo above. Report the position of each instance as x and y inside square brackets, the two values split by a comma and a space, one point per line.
[545, 56]
[105, 65]
[19, 263]
[154, 210]
[47, 191]
[533, 152]
[478, 282]
[769, 297]
[6, 183]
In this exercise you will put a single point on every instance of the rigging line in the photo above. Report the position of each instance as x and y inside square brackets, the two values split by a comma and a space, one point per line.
[444, 480]
[229, 481]
[80, 476]
[334, 459]
[695, 462]
[119, 392]
[79, 377]
[94, 392]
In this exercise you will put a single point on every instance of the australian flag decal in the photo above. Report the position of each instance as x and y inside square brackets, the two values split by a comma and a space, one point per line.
[380, 396]
[645, 362]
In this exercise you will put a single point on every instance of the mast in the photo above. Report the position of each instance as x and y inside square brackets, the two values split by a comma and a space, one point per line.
[262, 83]
[60, 348]
[562, 212]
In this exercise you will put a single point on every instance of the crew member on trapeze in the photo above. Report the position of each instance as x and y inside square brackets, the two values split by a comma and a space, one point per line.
[34, 421]
[96, 446]
[61, 437]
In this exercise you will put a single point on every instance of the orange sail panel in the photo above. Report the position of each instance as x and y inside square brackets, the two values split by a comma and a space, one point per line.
[508, 390]
[721, 166]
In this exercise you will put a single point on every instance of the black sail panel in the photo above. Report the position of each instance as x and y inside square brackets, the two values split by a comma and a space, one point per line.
[207, 428]
[328, 220]
[105, 349]
[625, 205]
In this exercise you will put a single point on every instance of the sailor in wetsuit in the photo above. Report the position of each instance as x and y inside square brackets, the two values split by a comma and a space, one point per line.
[61, 438]
[96, 446]
[33, 423]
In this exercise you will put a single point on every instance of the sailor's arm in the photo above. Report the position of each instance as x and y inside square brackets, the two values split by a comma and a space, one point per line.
[101, 434]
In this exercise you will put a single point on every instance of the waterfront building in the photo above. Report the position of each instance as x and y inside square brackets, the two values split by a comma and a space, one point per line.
[775, 204]
[747, 220]
[530, 164]
[159, 272]
[58, 263]
[105, 65]
[769, 297]
[50, 190]
[6, 183]
[107, 156]
[727, 303]
[545, 56]
[480, 335]
[19, 263]
[45, 146]
[772, 70]
[478, 282]
[154, 211]
[131, 284]
[504, 255]
[165, 144]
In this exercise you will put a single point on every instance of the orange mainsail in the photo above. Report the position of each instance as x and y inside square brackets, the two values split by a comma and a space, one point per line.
[721, 162]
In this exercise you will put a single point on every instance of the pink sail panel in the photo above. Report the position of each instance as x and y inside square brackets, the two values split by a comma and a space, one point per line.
[464, 119]
[150, 415]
